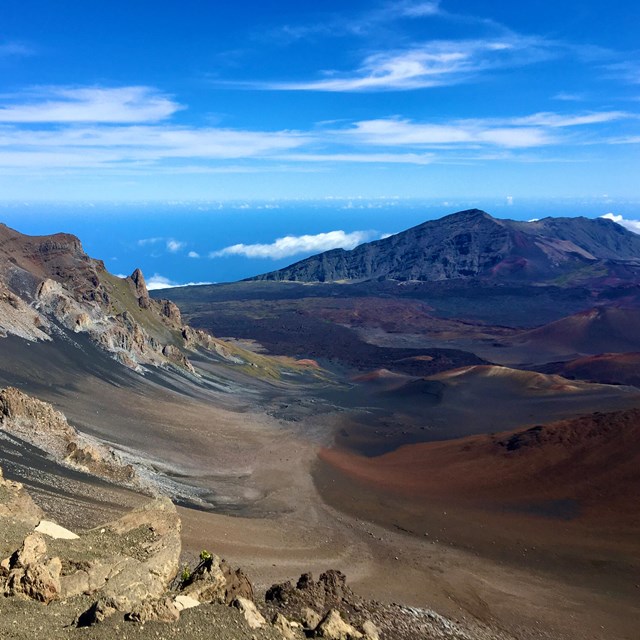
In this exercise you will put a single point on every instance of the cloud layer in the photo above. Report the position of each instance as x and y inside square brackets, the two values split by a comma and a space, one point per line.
[294, 245]
[127, 130]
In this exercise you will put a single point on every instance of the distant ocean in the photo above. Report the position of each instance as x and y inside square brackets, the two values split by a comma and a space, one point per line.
[171, 241]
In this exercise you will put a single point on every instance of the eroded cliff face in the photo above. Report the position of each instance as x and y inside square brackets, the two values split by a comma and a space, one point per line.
[49, 282]
[39, 424]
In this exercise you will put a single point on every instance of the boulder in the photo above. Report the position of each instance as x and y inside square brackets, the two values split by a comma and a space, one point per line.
[370, 631]
[185, 602]
[333, 627]
[309, 618]
[250, 612]
[284, 626]
[97, 612]
[162, 609]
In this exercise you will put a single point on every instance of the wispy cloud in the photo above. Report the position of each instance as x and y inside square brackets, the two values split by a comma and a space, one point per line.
[72, 143]
[394, 132]
[419, 9]
[535, 130]
[431, 64]
[193, 254]
[363, 158]
[359, 24]
[90, 104]
[627, 71]
[554, 120]
[294, 245]
[13, 48]
[632, 225]
[567, 96]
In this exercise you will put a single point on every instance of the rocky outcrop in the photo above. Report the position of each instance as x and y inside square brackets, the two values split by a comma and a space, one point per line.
[125, 564]
[31, 573]
[213, 580]
[140, 289]
[472, 244]
[19, 319]
[330, 590]
[16, 503]
[40, 424]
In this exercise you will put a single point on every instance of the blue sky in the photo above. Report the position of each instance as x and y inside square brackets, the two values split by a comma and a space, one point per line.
[282, 101]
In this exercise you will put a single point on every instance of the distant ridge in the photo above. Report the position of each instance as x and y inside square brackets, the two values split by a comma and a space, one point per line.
[472, 244]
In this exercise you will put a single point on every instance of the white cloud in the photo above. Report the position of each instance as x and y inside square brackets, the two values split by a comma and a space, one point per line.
[91, 104]
[632, 225]
[156, 281]
[293, 245]
[173, 246]
[193, 254]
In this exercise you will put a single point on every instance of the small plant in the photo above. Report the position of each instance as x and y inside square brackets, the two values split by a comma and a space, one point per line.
[187, 576]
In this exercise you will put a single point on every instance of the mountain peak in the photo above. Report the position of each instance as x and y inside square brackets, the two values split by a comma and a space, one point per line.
[469, 214]
[473, 244]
